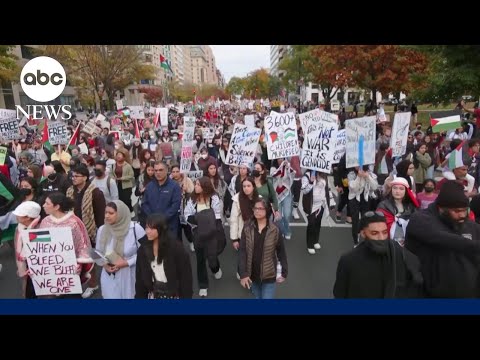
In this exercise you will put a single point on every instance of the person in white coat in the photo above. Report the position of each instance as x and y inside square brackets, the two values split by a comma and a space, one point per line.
[118, 241]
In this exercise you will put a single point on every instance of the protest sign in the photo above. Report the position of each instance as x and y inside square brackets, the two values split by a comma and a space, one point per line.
[243, 145]
[360, 148]
[51, 259]
[9, 129]
[281, 134]
[164, 116]
[57, 133]
[340, 145]
[250, 120]
[194, 175]
[399, 137]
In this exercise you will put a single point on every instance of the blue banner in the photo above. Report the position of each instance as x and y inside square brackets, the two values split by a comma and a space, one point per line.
[240, 307]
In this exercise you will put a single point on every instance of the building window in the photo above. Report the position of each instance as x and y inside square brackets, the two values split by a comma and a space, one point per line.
[314, 86]
[27, 52]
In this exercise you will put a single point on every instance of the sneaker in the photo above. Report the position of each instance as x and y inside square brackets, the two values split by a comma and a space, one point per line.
[218, 274]
[203, 293]
[338, 217]
[288, 237]
[295, 214]
[192, 247]
[89, 292]
[317, 246]
[311, 251]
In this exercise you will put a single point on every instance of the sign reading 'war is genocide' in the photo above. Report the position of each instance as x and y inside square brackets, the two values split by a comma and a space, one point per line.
[57, 133]
[243, 145]
[282, 137]
[340, 145]
[319, 144]
[398, 141]
[9, 128]
[51, 259]
[360, 147]
[317, 114]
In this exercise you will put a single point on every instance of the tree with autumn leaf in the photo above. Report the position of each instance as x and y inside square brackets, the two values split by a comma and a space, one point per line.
[236, 86]
[385, 68]
[105, 69]
[152, 94]
[9, 70]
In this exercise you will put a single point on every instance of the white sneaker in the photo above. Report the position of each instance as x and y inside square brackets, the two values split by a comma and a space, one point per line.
[295, 214]
[89, 292]
[218, 274]
[317, 246]
[311, 251]
[203, 293]
[192, 247]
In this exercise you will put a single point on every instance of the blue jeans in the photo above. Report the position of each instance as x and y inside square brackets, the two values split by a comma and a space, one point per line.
[263, 290]
[285, 208]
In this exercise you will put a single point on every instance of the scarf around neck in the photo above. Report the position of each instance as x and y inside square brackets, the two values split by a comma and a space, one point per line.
[118, 231]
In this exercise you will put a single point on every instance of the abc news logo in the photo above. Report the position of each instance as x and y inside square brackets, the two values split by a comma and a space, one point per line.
[43, 79]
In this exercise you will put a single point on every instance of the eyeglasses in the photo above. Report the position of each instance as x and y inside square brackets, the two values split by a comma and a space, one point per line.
[370, 214]
[259, 209]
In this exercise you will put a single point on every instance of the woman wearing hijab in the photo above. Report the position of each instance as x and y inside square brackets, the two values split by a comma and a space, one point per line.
[118, 241]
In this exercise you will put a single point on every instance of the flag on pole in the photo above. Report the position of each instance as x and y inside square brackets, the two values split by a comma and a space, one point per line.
[445, 120]
[155, 120]
[455, 158]
[45, 139]
[164, 64]
[74, 138]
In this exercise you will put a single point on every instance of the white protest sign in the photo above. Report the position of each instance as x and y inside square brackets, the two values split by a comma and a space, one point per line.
[335, 105]
[100, 117]
[181, 109]
[92, 129]
[151, 110]
[319, 145]
[250, 105]
[360, 148]
[292, 110]
[105, 124]
[186, 157]
[57, 133]
[250, 120]
[340, 145]
[281, 134]
[188, 130]
[282, 107]
[119, 104]
[398, 140]
[194, 175]
[136, 112]
[207, 133]
[51, 259]
[317, 114]
[9, 128]
[243, 145]
[164, 116]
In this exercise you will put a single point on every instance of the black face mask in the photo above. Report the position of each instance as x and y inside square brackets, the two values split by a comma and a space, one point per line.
[429, 189]
[255, 173]
[25, 192]
[52, 176]
[98, 172]
[377, 246]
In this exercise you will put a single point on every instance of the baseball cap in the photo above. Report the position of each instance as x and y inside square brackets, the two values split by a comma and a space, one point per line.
[28, 208]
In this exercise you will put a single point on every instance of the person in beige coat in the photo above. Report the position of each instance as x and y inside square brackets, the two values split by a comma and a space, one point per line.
[421, 161]
[125, 177]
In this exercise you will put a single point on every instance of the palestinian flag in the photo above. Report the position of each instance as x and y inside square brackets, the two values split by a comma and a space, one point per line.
[40, 236]
[445, 120]
[164, 64]
[137, 131]
[455, 158]
[74, 138]
[45, 138]
[155, 119]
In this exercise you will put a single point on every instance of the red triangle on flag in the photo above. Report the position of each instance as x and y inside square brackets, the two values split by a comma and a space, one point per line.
[434, 122]
[32, 236]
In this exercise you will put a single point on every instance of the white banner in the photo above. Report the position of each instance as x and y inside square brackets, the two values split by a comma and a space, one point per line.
[319, 145]
[57, 133]
[9, 129]
[340, 145]
[250, 120]
[282, 137]
[398, 141]
[360, 147]
[164, 116]
[194, 175]
[119, 104]
[92, 129]
[51, 259]
[136, 112]
[243, 145]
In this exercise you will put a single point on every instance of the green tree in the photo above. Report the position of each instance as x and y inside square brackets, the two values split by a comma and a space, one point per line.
[293, 64]
[9, 70]
[236, 86]
[454, 70]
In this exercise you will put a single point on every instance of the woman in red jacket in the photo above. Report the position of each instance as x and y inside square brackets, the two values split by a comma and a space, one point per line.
[397, 207]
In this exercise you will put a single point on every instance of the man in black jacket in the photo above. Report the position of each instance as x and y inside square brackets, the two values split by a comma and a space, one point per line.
[447, 244]
[378, 267]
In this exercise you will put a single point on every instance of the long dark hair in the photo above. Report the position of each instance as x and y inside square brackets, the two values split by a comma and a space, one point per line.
[136, 150]
[207, 189]
[159, 222]
[216, 178]
[246, 205]
[57, 165]
[147, 178]
[402, 171]
[58, 198]
[263, 177]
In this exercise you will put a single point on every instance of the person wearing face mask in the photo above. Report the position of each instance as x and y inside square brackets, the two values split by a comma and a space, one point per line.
[176, 147]
[378, 268]
[52, 182]
[105, 182]
[447, 243]
[428, 195]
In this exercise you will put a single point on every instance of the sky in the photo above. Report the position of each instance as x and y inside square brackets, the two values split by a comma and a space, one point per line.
[239, 60]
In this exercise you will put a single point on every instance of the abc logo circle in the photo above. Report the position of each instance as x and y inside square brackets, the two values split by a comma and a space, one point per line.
[43, 79]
